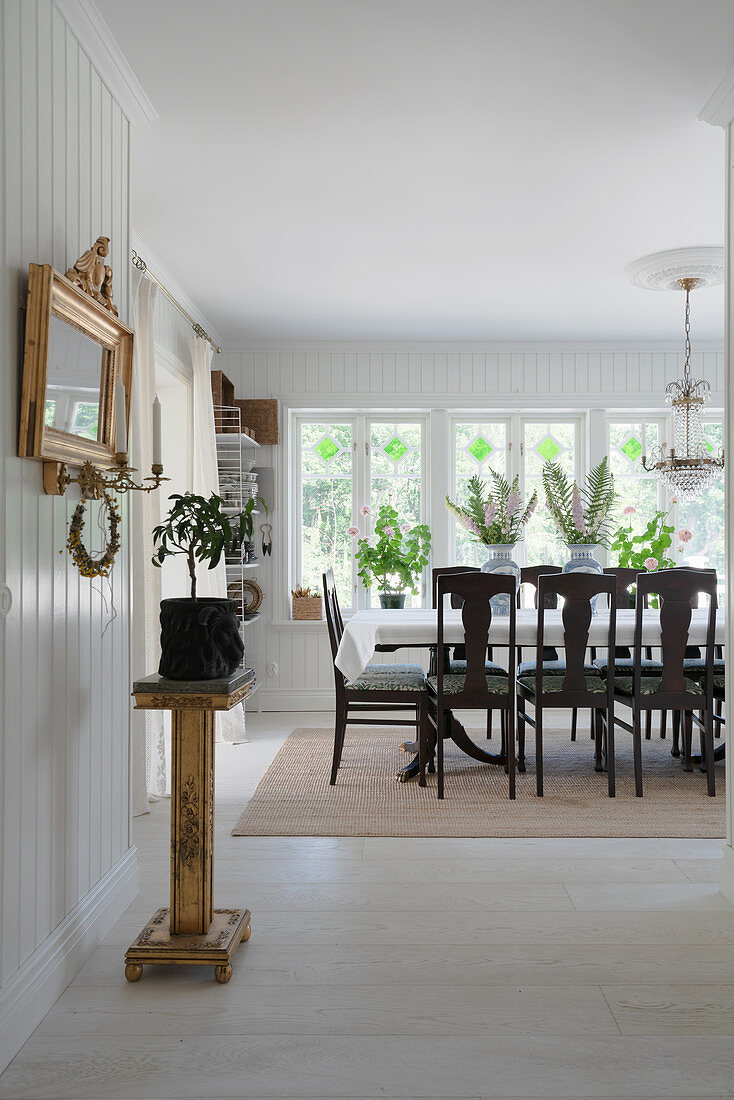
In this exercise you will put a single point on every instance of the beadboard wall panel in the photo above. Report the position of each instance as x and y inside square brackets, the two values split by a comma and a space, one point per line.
[65, 708]
[470, 378]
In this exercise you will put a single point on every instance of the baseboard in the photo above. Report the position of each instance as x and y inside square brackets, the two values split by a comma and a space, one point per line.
[38, 983]
[726, 885]
[294, 699]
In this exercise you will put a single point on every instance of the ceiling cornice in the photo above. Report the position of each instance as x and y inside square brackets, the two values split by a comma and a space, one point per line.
[719, 109]
[97, 40]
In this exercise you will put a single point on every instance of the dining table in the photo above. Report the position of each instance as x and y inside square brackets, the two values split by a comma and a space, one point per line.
[416, 628]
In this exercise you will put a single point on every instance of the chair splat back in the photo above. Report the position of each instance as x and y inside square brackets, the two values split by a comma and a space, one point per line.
[449, 571]
[334, 619]
[475, 591]
[678, 591]
[577, 591]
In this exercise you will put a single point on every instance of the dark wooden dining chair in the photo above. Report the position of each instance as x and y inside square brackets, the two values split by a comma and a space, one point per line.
[671, 689]
[379, 688]
[456, 661]
[473, 688]
[626, 578]
[581, 684]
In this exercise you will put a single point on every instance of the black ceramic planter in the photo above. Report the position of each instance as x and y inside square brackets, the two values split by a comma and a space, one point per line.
[392, 599]
[200, 639]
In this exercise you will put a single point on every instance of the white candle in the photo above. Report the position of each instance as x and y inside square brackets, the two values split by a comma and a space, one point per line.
[120, 417]
[157, 439]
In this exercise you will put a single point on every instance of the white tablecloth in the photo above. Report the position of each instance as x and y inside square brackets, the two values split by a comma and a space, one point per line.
[366, 629]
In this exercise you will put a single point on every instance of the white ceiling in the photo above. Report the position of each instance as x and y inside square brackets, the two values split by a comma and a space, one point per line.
[428, 169]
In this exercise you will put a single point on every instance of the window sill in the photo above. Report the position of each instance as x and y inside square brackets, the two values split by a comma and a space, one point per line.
[312, 625]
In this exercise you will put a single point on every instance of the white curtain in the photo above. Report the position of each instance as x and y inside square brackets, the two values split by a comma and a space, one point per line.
[210, 582]
[150, 771]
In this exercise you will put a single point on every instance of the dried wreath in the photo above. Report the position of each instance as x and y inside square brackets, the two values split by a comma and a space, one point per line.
[85, 563]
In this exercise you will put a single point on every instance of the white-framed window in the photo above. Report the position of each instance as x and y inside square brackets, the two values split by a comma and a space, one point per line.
[478, 446]
[630, 437]
[547, 440]
[705, 516]
[341, 463]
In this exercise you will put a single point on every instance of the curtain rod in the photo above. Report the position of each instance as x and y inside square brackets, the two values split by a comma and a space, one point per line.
[141, 265]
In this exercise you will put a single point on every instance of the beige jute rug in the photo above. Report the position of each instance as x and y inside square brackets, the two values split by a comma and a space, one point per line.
[294, 797]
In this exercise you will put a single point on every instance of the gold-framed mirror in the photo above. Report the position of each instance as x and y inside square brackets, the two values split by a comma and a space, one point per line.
[75, 350]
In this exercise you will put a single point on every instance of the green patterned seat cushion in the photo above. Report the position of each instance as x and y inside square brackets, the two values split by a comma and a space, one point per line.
[696, 666]
[389, 678]
[459, 667]
[453, 684]
[624, 685]
[553, 682]
[550, 668]
[720, 686]
[623, 666]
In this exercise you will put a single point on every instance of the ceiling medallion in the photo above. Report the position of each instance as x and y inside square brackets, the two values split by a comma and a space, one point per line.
[664, 270]
[689, 466]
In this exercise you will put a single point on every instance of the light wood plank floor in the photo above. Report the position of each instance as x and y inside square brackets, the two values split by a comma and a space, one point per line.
[407, 968]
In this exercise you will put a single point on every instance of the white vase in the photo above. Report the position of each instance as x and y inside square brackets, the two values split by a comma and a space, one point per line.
[582, 560]
[500, 561]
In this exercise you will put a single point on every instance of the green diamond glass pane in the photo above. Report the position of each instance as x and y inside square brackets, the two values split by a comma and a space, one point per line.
[709, 448]
[395, 449]
[327, 448]
[548, 448]
[480, 448]
[632, 448]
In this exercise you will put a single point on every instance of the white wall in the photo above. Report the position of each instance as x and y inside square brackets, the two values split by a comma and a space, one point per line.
[470, 377]
[68, 868]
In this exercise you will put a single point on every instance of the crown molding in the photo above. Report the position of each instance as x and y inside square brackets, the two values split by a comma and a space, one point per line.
[171, 284]
[488, 347]
[719, 108]
[97, 40]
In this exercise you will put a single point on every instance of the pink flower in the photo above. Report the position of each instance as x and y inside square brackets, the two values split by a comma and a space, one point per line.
[388, 532]
[405, 528]
[513, 503]
[629, 510]
[365, 510]
[651, 564]
[489, 512]
[353, 531]
[577, 511]
[685, 535]
[471, 526]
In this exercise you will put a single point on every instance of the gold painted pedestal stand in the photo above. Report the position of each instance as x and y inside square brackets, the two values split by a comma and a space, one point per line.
[192, 932]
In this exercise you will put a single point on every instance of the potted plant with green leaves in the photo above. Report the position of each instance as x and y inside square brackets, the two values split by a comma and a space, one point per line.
[582, 515]
[647, 550]
[200, 638]
[394, 558]
[497, 519]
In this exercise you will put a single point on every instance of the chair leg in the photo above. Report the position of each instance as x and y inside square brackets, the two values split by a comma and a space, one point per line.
[597, 727]
[574, 720]
[520, 734]
[503, 737]
[707, 737]
[663, 724]
[718, 704]
[422, 721]
[339, 731]
[687, 741]
[648, 725]
[675, 751]
[440, 732]
[539, 749]
[637, 749]
[592, 731]
[510, 748]
[611, 772]
[489, 725]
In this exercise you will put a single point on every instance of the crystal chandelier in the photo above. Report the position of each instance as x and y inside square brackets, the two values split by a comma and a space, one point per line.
[690, 465]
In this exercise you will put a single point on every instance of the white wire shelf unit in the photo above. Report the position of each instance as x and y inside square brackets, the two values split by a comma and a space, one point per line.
[235, 459]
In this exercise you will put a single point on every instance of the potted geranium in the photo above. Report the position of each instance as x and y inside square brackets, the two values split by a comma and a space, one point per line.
[200, 637]
[394, 558]
[497, 519]
[647, 550]
[582, 515]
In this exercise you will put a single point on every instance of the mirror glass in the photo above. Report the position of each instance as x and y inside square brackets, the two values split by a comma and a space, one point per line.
[73, 381]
